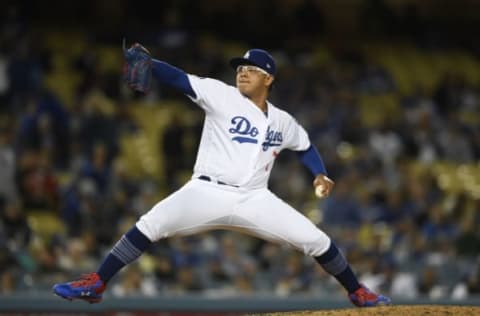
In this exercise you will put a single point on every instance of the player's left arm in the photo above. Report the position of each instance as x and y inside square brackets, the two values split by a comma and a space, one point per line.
[172, 76]
[140, 66]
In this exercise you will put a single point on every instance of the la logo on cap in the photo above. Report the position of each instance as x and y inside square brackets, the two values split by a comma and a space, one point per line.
[247, 55]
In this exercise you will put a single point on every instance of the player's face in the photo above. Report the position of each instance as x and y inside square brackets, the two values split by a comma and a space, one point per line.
[252, 80]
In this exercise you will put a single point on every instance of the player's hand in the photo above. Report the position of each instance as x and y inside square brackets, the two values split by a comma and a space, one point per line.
[137, 71]
[323, 185]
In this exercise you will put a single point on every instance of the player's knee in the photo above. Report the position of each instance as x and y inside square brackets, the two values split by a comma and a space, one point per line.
[149, 230]
[145, 229]
[316, 247]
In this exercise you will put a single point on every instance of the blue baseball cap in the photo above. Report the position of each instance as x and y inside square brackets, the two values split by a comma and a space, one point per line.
[257, 57]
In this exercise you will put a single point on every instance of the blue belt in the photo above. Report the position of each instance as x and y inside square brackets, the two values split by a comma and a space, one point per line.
[207, 178]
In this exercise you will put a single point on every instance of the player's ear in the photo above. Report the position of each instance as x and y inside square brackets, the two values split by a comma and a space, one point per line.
[269, 80]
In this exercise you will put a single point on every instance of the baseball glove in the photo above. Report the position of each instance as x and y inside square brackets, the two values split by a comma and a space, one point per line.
[137, 71]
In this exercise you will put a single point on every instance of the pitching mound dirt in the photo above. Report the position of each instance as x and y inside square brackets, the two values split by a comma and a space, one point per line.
[409, 310]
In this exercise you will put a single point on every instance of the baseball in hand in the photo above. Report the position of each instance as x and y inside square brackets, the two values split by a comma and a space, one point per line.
[319, 191]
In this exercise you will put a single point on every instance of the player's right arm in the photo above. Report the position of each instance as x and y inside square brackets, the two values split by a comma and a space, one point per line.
[296, 138]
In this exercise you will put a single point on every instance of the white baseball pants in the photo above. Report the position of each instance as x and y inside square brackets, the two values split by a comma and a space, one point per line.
[201, 205]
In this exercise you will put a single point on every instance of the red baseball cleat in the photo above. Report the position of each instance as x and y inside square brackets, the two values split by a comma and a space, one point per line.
[363, 297]
[88, 288]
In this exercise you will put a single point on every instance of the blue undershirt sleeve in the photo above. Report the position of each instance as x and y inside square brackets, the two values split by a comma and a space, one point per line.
[312, 160]
[172, 76]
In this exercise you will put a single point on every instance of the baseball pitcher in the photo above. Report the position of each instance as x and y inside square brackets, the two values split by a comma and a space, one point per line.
[243, 133]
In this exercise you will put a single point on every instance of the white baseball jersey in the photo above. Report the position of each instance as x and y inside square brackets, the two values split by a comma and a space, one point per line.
[239, 142]
[238, 147]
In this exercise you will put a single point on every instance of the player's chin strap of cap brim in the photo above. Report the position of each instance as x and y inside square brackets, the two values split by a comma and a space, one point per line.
[207, 178]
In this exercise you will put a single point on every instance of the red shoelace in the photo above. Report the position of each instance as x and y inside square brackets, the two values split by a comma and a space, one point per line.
[365, 294]
[86, 279]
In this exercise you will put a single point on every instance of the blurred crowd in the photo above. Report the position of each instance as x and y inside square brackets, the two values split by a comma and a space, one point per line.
[408, 227]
